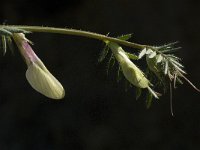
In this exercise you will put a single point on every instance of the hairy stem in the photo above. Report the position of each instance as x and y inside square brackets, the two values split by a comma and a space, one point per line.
[76, 33]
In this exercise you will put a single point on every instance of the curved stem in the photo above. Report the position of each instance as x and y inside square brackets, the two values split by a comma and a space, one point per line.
[76, 33]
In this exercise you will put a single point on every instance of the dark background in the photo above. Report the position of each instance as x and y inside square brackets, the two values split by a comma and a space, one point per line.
[97, 113]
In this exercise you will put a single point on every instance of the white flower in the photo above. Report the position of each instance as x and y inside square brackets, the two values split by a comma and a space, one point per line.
[37, 74]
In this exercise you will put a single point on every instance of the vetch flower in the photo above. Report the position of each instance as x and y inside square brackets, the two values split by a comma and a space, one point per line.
[37, 74]
[131, 72]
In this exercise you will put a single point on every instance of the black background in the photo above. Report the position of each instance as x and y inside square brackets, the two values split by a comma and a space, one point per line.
[97, 113]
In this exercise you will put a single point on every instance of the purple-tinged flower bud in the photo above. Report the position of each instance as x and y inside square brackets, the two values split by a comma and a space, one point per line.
[37, 74]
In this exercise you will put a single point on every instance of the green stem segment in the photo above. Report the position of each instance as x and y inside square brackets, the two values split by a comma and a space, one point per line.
[76, 33]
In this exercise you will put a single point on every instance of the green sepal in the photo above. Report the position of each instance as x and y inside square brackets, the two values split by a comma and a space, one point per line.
[179, 80]
[132, 56]
[170, 50]
[166, 67]
[138, 93]
[10, 44]
[127, 85]
[5, 32]
[4, 45]
[149, 100]
[169, 45]
[176, 62]
[111, 63]
[125, 37]
[103, 54]
[119, 74]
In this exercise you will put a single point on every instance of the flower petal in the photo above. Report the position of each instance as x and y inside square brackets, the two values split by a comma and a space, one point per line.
[44, 82]
[134, 75]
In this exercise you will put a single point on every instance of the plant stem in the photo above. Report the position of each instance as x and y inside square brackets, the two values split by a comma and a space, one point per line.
[76, 33]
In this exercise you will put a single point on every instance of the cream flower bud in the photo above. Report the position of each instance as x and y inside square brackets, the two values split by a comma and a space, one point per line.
[132, 73]
[37, 74]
